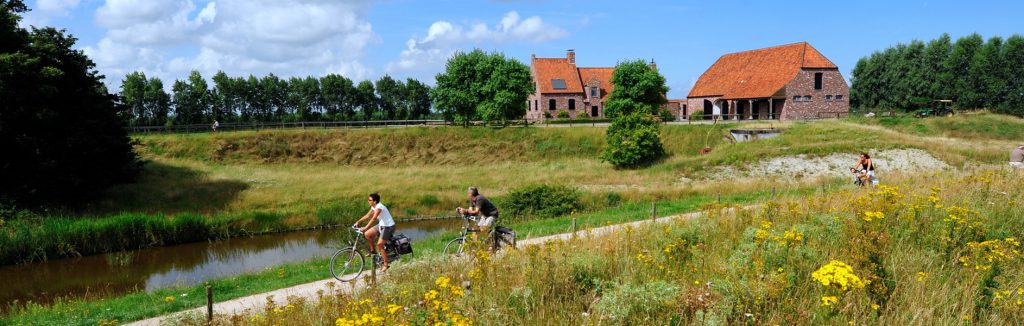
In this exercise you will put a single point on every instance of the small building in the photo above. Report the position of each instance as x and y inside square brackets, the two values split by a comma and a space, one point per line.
[563, 87]
[786, 82]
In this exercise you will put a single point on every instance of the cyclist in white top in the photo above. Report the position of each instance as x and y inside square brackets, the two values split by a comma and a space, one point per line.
[385, 227]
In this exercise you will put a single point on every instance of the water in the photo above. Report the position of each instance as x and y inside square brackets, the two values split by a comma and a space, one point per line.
[150, 269]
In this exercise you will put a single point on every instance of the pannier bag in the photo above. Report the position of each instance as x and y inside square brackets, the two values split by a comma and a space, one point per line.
[402, 244]
[507, 234]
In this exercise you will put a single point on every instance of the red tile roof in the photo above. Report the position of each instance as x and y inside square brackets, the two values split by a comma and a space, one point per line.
[546, 69]
[758, 73]
[603, 75]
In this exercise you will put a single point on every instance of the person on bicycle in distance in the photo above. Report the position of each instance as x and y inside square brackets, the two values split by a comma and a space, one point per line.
[866, 167]
[385, 227]
[481, 207]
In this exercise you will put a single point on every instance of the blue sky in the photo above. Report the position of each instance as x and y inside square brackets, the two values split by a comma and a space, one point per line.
[403, 38]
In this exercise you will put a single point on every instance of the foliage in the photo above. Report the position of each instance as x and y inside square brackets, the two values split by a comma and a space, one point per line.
[666, 115]
[634, 137]
[563, 114]
[971, 72]
[62, 134]
[486, 86]
[633, 140]
[540, 201]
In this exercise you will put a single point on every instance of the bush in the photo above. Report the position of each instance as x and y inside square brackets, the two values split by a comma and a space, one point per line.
[563, 115]
[667, 116]
[697, 115]
[540, 201]
[633, 141]
[547, 115]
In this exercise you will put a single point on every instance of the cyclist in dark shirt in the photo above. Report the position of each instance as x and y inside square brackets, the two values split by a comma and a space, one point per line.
[482, 208]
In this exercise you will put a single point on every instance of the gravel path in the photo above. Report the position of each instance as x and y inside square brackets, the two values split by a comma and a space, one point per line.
[257, 302]
[834, 165]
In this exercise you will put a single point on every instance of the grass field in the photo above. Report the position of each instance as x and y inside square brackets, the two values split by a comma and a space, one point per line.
[242, 182]
[920, 251]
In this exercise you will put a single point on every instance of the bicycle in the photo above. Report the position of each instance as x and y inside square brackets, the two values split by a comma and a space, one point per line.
[501, 235]
[347, 263]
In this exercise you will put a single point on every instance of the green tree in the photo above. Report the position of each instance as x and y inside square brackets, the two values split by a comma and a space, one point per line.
[935, 74]
[366, 100]
[634, 136]
[133, 96]
[986, 75]
[158, 102]
[225, 98]
[417, 99]
[61, 132]
[959, 68]
[192, 103]
[635, 82]
[478, 85]
[338, 93]
[1012, 65]
[389, 94]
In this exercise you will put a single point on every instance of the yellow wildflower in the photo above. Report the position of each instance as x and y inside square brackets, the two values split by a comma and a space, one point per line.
[838, 274]
[169, 298]
[921, 276]
[875, 306]
[393, 308]
[828, 301]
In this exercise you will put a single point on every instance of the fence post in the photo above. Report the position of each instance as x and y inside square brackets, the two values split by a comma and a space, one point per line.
[574, 226]
[654, 211]
[373, 270]
[719, 198]
[209, 304]
[773, 192]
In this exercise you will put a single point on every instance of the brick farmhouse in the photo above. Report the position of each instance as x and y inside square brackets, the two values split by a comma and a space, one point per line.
[563, 87]
[786, 82]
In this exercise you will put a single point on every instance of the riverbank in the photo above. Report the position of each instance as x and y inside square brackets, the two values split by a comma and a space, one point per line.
[142, 305]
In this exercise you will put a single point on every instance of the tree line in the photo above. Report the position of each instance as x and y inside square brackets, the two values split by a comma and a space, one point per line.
[270, 99]
[972, 72]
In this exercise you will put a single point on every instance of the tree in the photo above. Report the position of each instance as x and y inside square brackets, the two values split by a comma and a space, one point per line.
[389, 94]
[61, 132]
[417, 99]
[634, 136]
[1012, 68]
[338, 93]
[635, 82]
[191, 100]
[133, 96]
[158, 102]
[938, 79]
[959, 67]
[986, 75]
[481, 85]
[366, 100]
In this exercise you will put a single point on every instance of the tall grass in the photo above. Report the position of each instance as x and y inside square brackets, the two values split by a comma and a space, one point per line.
[923, 250]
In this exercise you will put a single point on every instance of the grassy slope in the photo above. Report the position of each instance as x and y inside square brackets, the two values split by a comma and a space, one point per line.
[920, 265]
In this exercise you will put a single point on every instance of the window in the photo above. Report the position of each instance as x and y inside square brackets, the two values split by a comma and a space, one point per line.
[593, 91]
[551, 104]
[807, 98]
[572, 104]
[797, 98]
[817, 80]
[535, 107]
[839, 97]
[828, 98]
[558, 83]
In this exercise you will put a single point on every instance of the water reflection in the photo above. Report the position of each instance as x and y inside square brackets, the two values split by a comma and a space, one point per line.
[188, 264]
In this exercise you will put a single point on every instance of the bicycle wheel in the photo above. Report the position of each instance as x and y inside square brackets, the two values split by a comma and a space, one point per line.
[455, 247]
[347, 264]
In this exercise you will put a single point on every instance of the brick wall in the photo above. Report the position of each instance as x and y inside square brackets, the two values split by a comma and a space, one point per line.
[803, 85]
[561, 105]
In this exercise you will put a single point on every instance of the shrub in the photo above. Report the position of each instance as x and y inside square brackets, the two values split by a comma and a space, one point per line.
[666, 115]
[540, 201]
[613, 199]
[563, 115]
[547, 115]
[633, 141]
[697, 115]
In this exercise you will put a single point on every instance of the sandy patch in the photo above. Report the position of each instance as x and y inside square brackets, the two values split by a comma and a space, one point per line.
[835, 165]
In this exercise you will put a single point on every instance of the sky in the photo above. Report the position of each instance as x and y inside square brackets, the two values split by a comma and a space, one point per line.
[366, 39]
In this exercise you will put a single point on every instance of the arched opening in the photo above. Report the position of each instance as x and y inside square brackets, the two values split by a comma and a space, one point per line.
[709, 109]
[741, 110]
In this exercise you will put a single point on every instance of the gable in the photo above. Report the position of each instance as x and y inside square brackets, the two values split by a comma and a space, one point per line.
[757, 73]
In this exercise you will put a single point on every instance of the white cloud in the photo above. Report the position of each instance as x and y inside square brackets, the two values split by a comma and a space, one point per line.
[444, 38]
[43, 11]
[56, 5]
[168, 38]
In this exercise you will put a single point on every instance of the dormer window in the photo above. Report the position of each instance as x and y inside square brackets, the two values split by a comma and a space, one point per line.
[558, 83]
[593, 91]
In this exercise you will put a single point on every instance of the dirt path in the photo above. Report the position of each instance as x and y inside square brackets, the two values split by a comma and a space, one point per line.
[309, 290]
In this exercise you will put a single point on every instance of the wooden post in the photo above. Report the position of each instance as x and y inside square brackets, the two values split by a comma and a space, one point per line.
[574, 226]
[654, 211]
[373, 270]
[773, 192]
[209, 304]
[719, 198]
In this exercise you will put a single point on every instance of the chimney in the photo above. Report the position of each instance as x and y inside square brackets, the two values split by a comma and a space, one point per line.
[533, 56]
[653, 65]
[571, 55]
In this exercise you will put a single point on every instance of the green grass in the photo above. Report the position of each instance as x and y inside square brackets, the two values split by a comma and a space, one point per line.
[971, 126]
[142, 305]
